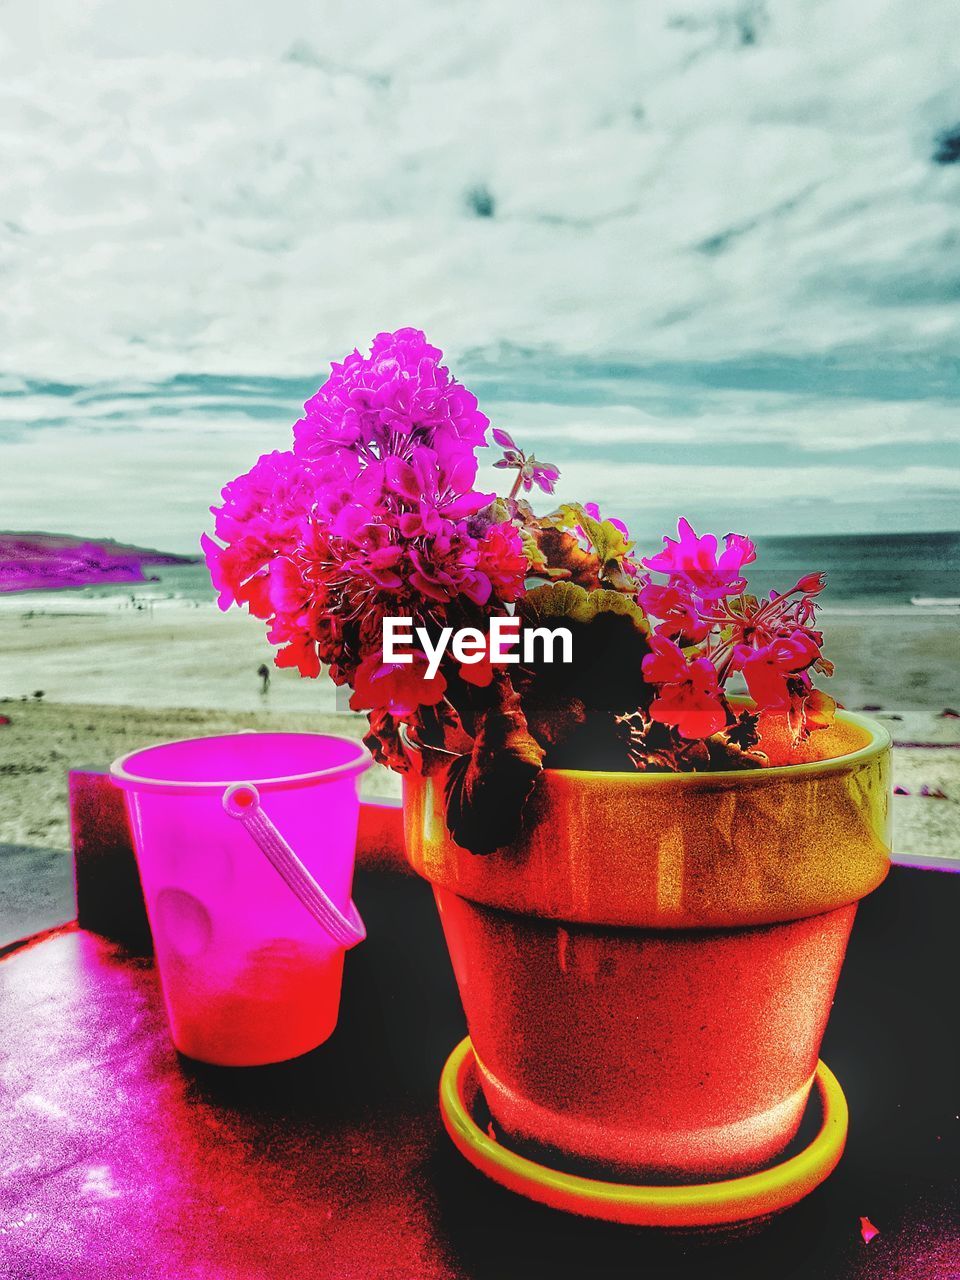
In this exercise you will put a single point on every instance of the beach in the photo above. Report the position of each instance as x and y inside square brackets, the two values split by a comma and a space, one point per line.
[115, 678]
[112, 682]
[146, 653]
[123, 671]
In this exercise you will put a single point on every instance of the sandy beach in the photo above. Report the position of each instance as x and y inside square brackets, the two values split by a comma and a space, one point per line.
[45, 740]
[163, 655]
[114, 681]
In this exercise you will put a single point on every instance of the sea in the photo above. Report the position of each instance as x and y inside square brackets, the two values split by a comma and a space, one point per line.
[909, 573]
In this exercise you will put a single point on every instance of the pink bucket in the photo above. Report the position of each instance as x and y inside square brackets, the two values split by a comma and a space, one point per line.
[245, 845]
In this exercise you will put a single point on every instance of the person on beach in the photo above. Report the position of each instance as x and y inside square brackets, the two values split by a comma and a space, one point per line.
[263, 671]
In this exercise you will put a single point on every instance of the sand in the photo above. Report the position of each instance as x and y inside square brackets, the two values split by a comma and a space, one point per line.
[165, 656]
[46, 740]
[115, 681]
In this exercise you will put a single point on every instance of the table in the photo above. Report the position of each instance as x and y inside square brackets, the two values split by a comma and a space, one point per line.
[120, 1160]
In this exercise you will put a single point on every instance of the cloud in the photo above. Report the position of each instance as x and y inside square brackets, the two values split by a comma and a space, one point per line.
[214, 199]
[769, 499]
[717, 239]
[806, 423]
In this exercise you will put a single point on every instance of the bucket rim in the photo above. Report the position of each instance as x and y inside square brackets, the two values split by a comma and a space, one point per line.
[131, 781]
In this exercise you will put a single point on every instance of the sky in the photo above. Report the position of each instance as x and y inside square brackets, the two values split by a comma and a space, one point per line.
[706, 257]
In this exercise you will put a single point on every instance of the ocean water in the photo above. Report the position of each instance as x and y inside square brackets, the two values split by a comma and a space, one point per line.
[904, 573]
[878, 571]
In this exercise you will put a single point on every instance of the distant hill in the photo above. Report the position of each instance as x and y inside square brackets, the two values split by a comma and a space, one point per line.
[51, 561]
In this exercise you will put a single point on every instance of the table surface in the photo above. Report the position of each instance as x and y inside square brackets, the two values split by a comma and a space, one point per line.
[120, 1160]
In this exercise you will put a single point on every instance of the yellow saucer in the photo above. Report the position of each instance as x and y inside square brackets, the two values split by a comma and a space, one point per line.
[753, 1195]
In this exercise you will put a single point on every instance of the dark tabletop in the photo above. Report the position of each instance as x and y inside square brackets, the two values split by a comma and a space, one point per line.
[121, 1161]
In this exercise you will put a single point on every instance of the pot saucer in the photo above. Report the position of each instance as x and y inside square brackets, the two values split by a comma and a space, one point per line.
[708, 1204]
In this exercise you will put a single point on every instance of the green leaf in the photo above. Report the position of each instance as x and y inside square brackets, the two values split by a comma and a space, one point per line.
[606, 539]
[499, 511]
[565, 558]
[572, 705]
[558, 601]
[536, 560]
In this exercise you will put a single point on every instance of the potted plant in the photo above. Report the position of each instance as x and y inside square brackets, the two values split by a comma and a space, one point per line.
[646, 882]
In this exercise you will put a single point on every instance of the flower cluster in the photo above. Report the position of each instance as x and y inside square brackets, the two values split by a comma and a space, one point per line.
[374, 513]
[707, 627]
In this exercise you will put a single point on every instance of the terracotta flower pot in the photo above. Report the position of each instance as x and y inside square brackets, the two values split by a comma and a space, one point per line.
[648, 971]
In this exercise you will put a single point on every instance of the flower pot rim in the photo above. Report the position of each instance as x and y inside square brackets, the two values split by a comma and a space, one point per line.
[675, 850]
[880, 741]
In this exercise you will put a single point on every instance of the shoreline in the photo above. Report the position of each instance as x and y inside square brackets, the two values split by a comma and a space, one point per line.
[115, 599]
[45, 740]
[35, 561]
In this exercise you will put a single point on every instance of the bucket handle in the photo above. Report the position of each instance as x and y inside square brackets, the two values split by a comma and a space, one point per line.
[242, 801]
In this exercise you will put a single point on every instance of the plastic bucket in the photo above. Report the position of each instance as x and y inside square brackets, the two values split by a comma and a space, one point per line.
[245, 845]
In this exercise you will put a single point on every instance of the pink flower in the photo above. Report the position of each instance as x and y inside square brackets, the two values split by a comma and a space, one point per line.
[689, 696]
[502, 560]
[694, 561]
[289, 590]
[259, 518]
[388, 403]
[512, 453]
[530, 472]
[271, 498]
[446, 566]
[372, 513]
[773, 641]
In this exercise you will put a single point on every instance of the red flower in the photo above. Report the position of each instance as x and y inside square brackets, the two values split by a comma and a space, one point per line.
[811, 584]
[689, 697]
[397, 687]
[502, 559]
[768, 669]
[676, 609]
[231, 567]
[301, 653]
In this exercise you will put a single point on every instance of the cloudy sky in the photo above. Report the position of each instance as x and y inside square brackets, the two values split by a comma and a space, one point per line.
[705, 256]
